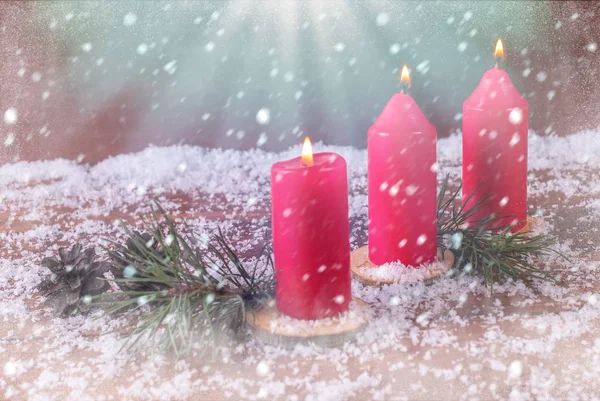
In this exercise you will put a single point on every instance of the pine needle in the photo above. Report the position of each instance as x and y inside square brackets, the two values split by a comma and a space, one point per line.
[183, 291]
[496, 253]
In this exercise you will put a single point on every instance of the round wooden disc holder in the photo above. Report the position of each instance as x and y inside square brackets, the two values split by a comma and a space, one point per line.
[362, 269]
[273, 328]
[360, 265]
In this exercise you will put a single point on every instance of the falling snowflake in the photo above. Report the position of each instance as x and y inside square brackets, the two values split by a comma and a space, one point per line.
[263, 116]
[541, 76]
[339, 47]
[142, 49]
[514, 139]
[262, 139]
[411, 190]
[423, 67]
[10, 139]
[11, 116]
[515, 116]
[456, 240]
[129, 19]
[382, 19]
[170, 67]
[592, 47]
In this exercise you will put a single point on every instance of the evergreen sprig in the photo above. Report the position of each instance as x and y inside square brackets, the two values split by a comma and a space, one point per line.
[184, 289]
[495, 252]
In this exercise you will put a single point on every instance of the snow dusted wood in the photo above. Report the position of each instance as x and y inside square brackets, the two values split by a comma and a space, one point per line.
[452, 340]
[273, 328]
[391, 273]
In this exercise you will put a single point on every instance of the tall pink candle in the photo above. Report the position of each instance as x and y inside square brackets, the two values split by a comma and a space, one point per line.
[495, 120]
[402, 184]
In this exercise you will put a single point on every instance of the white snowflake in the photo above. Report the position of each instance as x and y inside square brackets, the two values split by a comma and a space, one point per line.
[382, 19]
[129, 19]
[263, 116]
[11, 116]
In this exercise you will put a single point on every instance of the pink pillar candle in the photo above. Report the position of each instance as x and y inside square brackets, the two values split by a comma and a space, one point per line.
[495, 122]
[402, 185]
[311, 236]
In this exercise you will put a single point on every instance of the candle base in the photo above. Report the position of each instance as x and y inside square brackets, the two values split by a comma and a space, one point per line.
[364, 271]
[273, 328]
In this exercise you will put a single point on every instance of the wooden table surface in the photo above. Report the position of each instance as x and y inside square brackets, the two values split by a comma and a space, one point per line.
[505, 345]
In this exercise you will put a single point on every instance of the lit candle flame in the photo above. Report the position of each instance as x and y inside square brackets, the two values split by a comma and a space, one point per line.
[405, 76]
[307, 153]
[499, 53]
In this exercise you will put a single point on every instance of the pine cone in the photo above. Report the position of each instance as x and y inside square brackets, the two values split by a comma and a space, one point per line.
[137, 247]
[74, 275]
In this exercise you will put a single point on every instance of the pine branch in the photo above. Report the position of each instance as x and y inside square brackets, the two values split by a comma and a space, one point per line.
[496, 253]
[181, 290]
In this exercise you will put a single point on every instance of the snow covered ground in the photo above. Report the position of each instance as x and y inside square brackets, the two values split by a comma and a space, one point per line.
[450, 340]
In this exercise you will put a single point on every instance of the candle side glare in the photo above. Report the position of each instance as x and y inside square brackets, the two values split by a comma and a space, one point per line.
[495, 125]
[311, 236]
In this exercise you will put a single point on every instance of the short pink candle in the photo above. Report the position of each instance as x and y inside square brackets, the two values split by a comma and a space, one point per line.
[402, 184]
[311, 235]
[495, 120]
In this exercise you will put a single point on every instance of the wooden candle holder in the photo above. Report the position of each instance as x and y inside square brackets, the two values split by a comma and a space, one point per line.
[360, 265]
[273, 328]
[528, 225]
